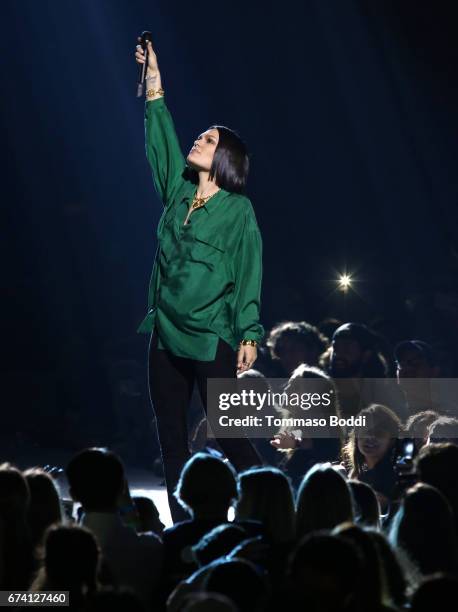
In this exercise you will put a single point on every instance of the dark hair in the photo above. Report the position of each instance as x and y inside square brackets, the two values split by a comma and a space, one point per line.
[78, 567]
[297, 384]
[230, 164]
[69, 561]
[424, 528]
[265, 495]
[323, 500]
[371, 570]
[379, 417]
[16, 548]
[218, 542]
[96, 478]
[45, 507]
[324, 569]
[308, 334]
[367, 507]
[239, 580]
[206, 482]
[394, 580]
[437, 465]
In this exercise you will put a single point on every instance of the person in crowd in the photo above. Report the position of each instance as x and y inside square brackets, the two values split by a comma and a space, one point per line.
[443, 429]
[437, 465]
[417, 426]
[16, 547]
[424, 529]
[266, 496]
[394, 578]
[439, 592]
[374, 591]
[207, 489]
[254, 380]
[418, 373]
[367, 507]
[296, 342]
[302, 448]
[214, 546]
[360, 371]
[370, 452]
[415, 359]
[45, 507]
[241, 582]
[323, 500]
[148, 516]
[323, 575]
[249, 380]
[69, 562]
[218, 542]
[97, 480]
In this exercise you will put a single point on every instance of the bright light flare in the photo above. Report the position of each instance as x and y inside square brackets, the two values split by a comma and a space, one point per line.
[344, 282]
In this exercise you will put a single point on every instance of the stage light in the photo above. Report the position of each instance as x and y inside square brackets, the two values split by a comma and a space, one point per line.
[344, 282]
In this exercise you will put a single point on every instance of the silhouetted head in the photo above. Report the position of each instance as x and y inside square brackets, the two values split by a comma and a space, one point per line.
[265, 495]
[354, 352]
[323, 500]
[367, 508]
[424, 528]
[96, 479]
[71, 557]
[45, 507]
[415, 359]
[323, 573]
[207, 485]
[14, 493]
[296, 342]
[241, 582]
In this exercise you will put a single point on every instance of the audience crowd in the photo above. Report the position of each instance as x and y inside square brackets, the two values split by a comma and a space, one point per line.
[363, 520]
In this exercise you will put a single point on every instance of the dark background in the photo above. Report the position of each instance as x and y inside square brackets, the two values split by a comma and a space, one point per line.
[349, 109]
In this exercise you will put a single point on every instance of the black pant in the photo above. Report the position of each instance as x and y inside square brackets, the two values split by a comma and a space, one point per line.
[171, 380]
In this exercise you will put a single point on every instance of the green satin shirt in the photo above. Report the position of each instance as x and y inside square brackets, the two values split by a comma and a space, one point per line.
[206, 278]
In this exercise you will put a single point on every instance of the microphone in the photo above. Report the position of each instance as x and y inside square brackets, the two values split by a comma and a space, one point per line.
[144, 39]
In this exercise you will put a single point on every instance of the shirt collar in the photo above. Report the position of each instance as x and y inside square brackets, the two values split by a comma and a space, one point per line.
[222, 193]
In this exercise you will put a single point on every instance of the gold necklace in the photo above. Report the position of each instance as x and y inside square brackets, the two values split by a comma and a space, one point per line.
[198, 202]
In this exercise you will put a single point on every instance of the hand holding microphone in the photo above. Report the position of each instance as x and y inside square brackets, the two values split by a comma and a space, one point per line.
[147, 65]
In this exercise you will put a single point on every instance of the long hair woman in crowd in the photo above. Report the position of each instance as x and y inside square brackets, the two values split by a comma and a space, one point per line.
[370, 452]
[204, 296]
[16, 548]
[301, 449]
[69, 562]
[45, 507]
[265, 495]
[424, 529]
[323, 500]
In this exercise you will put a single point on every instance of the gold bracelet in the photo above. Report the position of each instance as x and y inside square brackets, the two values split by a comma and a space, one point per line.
[153, 92]
[249, 343]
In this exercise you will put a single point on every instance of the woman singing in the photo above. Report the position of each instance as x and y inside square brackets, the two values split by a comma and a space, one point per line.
[204, 294]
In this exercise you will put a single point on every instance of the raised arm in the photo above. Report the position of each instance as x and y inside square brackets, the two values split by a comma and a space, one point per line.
[162, 146]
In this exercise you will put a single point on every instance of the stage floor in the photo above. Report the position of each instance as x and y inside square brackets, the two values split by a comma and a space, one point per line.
[142, 482]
